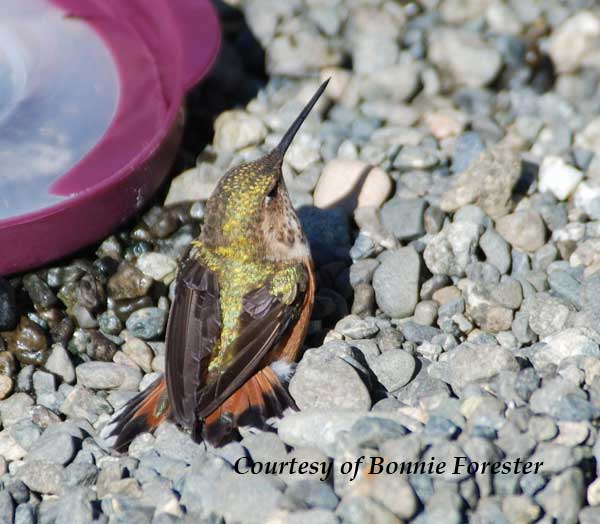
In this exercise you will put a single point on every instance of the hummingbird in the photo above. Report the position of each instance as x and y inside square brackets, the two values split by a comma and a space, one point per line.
[243, 300]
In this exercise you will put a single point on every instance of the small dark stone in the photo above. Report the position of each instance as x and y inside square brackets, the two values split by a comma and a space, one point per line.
[111, 248]
[7, 364]
[164, 225]
[90, 294]
[28, 342]
[108, 266]
[8, 307]
[39, 292]
[62, 332]
[141, 233]
[55, 277]
[100, 348]
[124, 308]
[128, 282]
[73, 273]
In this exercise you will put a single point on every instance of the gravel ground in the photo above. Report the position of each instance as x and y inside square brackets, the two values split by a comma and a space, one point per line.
[451, 192]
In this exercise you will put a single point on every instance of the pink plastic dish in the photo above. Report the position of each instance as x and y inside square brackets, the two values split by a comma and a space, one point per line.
[159, 49]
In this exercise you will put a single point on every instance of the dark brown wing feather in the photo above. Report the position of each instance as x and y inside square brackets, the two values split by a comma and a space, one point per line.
[193, 329]
[263, 324]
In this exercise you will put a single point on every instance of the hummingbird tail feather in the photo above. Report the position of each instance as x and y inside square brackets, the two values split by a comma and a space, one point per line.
[142, 413]
[263, 396]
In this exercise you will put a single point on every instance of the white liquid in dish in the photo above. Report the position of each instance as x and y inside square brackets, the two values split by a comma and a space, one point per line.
[59, 91]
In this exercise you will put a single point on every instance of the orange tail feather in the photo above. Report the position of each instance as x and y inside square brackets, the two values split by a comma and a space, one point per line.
[144, 412]
[263, 396]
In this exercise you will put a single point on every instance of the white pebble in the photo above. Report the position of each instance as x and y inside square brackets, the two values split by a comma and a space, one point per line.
[158, 266]
[351, 184]
[237, 129]
[558, 177]
[573, 41]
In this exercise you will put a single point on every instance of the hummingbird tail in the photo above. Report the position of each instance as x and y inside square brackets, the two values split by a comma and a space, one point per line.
[142, 413]
[263, 396]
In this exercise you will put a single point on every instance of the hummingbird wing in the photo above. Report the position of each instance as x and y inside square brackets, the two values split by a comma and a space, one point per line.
[264, 323]
[193, 329]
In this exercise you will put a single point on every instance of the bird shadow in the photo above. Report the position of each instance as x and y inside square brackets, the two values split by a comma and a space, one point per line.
[331, 232]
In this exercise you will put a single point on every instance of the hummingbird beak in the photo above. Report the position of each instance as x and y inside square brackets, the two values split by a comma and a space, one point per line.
[279, 152]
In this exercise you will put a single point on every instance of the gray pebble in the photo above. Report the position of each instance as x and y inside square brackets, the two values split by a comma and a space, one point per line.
[563, 401]
[415, 332]
[450, 251]
[55, 447]
[264, 446]
[76, 507]
[396, 282]
[308, 493]
[371, 432]
[147, 323]
[433, 220]
[563, 496]
[82, 403]
[413, 157]
[7, 507]
[360, 509]
[395, 494]
[589, 515]
[25, 514]
[468, 147]
[470, 363]
[568, 343]
[464, 56]
[325, 379]
[110, 323]
[496, 250]
[404, 217]
[426, 312]
[524, 230]
[42, 477]
[60, 364]
[364, 300]
[565, 286]
[361, 272]
[356, 327]
[107, 375]
[394, 368]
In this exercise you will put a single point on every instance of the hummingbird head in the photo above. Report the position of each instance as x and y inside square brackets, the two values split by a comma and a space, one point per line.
[250, 212]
